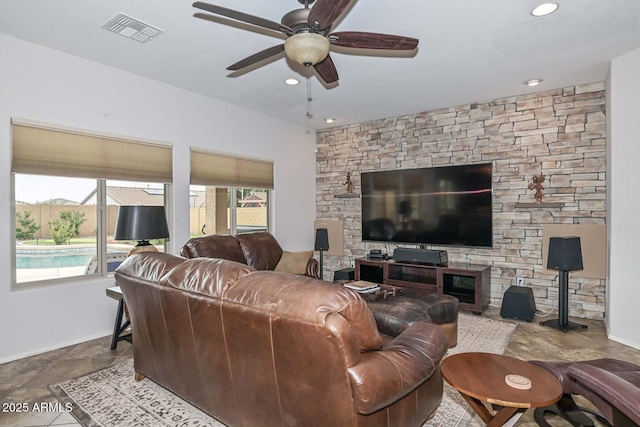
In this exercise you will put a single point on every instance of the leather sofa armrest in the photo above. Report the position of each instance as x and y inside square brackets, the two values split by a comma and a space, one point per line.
[382, 377]
[619, 393]
[313, 269]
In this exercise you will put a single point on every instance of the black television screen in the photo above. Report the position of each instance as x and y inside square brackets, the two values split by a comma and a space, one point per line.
[449, 205]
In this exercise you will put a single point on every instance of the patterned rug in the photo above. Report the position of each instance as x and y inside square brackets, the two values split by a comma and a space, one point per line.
[112, 398]
[479, 334]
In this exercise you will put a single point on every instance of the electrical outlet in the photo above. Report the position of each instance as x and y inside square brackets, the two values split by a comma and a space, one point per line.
[519, 281]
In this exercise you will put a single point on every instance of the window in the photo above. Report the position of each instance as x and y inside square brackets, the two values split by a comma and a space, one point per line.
[68, 186]
[229, 195]
[228, 210]
[57, 223]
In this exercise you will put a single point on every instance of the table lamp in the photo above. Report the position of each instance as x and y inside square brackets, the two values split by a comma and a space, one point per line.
[321, 244]
[141, 223]
[565, 255]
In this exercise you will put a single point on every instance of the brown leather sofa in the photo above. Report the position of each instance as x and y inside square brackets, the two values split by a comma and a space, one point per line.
[260, 348]
[259, 250]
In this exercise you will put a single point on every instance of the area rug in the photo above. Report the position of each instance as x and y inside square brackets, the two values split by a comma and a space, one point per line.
[112, 398]
[479, 334]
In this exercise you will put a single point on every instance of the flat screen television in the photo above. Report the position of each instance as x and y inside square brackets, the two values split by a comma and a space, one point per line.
[448, 205]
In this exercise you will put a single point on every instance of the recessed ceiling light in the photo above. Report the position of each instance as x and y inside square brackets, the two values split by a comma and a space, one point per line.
[533, 82]
[544, 9]
[292, 82]
[329, 120]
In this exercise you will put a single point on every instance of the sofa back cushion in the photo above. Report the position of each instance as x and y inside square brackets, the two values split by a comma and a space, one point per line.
[214, 246]
[261, 250]
[206, 276]
[309, 301]
[149, 266]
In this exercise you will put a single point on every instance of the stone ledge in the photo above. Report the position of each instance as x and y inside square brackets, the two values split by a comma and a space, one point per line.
[542, 205]
[346, 196]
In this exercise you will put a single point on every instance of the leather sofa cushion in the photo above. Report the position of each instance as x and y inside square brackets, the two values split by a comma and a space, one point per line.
[214, 246]
[293, 262]
[206, 276]
[149, 266]
[307, 299]
[611, 385]
[261, 250]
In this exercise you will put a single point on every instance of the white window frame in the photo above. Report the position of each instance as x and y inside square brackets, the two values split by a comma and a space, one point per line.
[101, 241]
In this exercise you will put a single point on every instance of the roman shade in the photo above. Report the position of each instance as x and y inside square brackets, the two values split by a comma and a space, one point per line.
[42, 149]
[209, 168]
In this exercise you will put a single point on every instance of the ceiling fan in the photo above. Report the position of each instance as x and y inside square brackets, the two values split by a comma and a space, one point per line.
[309, 36]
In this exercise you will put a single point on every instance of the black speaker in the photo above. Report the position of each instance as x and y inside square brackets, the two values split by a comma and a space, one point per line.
[345, 274]
[518, 303]
[565, 254]
[420, 256]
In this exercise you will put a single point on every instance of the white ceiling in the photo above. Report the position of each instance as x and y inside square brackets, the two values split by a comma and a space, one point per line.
[469, 51]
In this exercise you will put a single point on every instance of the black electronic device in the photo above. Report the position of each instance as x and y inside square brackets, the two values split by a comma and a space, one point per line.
[376, 254]
[420, 256]
[344, 274]
[372, 273]
[447, 205]
[518, 303]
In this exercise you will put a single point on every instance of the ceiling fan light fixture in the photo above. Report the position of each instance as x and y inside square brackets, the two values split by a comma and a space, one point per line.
[307, 48]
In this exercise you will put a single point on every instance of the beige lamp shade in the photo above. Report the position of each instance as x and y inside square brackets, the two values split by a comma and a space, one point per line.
[307, 48]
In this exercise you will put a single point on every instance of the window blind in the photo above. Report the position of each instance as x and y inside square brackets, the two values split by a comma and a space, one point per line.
[42, 149]
[223, 170]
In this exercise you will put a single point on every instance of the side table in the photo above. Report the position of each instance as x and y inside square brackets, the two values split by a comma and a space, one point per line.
[480, 377]
[119, 328]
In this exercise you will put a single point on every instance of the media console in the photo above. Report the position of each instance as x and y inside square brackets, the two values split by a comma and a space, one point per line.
[470, 283]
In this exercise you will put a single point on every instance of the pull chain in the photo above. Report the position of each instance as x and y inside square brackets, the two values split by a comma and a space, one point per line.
[309, 99]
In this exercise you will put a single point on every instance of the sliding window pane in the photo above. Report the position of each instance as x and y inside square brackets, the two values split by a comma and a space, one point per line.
[55, 233]
[209, 210]
[227, 210]
[251, 210]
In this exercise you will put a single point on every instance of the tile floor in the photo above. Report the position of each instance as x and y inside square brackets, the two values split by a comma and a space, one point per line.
[26, 380]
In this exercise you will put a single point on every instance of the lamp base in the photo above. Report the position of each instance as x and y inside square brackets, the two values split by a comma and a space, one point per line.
[564, 327]
[143, 246]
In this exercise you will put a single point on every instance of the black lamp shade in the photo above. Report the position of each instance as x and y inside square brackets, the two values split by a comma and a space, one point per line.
[565, 254]
[322, 239]
[404, 208]
[141, 223]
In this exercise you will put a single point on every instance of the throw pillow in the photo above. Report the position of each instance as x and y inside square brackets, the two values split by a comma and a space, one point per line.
[293, 262]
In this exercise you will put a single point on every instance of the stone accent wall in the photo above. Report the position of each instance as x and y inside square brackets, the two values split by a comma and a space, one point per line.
[560, 133]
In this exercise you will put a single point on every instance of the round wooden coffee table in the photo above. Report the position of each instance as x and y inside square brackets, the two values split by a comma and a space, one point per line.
[480, 377]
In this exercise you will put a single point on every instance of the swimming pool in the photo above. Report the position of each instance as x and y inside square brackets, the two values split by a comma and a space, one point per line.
[54, 258]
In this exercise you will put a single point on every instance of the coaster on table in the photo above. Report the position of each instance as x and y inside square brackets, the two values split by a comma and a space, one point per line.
[518, 381]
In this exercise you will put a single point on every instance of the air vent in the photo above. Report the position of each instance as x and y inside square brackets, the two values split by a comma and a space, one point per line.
[132, 28]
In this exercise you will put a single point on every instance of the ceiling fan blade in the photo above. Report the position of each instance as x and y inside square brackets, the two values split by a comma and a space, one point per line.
[257, 57]
[244, 17]
[327, 70]
[324, 12]
[372, 41]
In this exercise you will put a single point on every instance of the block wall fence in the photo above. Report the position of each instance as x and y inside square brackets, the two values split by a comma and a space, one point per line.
[559, 133]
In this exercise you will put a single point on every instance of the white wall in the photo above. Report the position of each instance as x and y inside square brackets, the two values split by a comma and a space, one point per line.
[41, 84]
[623, 203]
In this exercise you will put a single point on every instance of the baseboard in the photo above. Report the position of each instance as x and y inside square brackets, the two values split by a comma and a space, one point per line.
[54, 347]
[624, 341]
